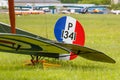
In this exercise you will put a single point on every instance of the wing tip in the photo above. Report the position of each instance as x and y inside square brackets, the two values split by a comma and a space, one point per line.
[112, 61]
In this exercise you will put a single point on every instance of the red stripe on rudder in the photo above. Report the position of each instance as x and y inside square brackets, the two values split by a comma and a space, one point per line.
[80, 34]
[72, 56]
[80, 38]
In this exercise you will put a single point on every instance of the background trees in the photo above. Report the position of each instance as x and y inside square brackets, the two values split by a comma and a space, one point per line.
[69, 1]
[103, 2]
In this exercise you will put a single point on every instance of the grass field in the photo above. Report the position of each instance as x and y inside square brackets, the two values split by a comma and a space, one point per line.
[102, 33]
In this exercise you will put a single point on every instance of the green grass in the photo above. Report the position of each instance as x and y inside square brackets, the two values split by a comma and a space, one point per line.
[102, 33]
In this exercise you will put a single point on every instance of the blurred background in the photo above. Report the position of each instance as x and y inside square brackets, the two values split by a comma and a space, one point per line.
[24, 7]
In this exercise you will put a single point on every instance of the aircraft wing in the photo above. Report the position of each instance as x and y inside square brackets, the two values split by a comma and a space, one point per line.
[87, 53]
[6, 30]
[22, 44]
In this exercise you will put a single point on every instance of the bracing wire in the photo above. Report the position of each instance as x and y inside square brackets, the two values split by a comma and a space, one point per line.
[46, 30]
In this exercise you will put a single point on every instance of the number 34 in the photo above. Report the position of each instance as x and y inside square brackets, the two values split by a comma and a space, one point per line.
[67, 34]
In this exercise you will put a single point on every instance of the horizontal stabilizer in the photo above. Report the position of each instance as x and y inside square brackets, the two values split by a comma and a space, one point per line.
[88, 53]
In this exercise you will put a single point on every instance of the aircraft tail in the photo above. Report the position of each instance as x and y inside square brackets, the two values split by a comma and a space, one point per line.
[69, 30]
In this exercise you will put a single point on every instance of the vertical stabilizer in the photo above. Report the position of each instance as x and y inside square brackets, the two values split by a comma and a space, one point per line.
[69, 30]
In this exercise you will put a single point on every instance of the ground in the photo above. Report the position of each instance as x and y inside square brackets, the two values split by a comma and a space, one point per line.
[102, 33]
